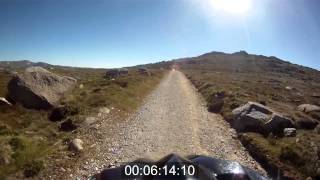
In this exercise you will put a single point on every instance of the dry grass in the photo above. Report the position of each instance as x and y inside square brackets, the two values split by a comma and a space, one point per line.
[295, 156]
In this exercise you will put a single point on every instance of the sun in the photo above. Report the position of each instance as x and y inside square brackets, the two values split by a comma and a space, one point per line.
[237, 7]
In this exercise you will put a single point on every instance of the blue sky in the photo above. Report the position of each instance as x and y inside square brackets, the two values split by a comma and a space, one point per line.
[115, 33]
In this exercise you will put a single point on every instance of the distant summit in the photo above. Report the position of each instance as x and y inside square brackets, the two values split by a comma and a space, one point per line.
[243, 53]
[22, 64]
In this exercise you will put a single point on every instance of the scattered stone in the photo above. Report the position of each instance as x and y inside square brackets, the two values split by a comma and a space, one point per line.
[62, 169]
[115, 73]
[307, 108]
[68, 125]
[104, 110]
[4, 102]
[81, 86]
[38, 88]
[76, 145]
[290, 132]
[255, 117]
[90, 120]
[288, 88]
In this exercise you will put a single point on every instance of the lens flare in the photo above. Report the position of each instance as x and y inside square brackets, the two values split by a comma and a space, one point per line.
[232, 6]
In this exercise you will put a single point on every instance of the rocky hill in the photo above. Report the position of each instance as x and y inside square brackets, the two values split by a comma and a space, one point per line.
[228, 81]
[22, 64]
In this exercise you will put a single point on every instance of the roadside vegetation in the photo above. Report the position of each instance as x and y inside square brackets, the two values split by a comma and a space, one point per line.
[228, 81]
[28, 136]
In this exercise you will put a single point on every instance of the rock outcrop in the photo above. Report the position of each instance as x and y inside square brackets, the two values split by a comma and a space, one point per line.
[255, 117]
[38, 88]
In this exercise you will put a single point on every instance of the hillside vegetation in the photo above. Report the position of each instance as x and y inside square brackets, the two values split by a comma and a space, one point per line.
[241, 77]
[27, 136]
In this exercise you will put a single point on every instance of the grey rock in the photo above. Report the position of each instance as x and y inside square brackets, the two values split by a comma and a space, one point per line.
[90, 120]
[290, 132]
[289, 88]
[255, 117]
[38, 88]
[104, 110]
[76, 145]
[307, 108]
[4, 102]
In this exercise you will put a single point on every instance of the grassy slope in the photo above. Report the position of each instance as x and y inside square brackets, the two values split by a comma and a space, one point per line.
[27, 136]
[245, 78]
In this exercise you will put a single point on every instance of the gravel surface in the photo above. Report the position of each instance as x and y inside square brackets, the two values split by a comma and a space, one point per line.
[173, 119]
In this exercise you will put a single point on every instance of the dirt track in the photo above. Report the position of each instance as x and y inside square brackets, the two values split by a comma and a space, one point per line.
[173, 119]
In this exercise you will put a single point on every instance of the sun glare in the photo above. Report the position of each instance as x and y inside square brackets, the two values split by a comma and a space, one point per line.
[239, 7]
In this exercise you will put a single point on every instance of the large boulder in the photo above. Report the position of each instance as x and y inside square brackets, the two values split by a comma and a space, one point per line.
[115, 73]
[38, 88]
[255, 117]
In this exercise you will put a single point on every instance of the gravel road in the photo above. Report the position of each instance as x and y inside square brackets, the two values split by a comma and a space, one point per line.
[173, 119]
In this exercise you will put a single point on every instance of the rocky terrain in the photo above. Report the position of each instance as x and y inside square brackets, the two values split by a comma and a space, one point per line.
[46, 111]
[172, 119]
[273, 105]
[258, 110]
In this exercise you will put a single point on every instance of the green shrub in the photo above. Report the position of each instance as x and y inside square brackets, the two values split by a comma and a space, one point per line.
[17, 144]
